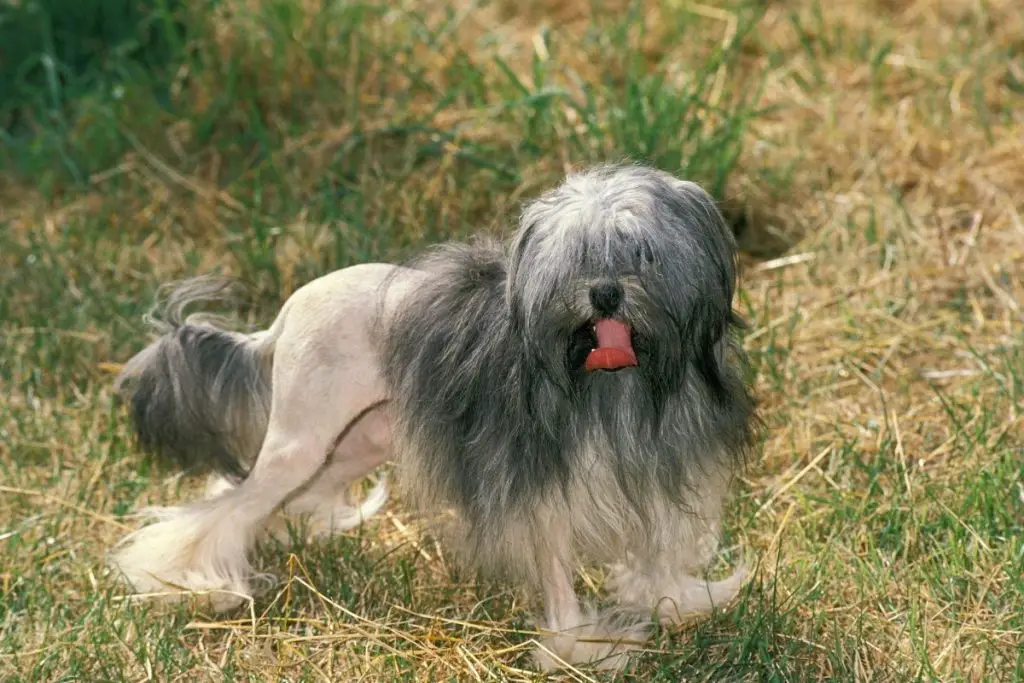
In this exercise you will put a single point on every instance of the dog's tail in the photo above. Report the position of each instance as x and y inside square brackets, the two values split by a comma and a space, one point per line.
[200, 393]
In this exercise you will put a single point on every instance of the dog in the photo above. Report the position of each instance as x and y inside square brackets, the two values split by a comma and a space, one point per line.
[576, 393]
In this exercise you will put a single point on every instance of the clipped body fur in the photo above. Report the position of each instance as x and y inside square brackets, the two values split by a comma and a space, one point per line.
[470, 368]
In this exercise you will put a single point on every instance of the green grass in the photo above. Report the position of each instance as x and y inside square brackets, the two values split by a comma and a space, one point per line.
[275, 143]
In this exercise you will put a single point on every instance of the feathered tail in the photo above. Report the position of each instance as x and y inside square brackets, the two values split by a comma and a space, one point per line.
[200, 393]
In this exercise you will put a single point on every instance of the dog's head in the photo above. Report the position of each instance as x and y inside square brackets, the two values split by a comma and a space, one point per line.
[623, 269]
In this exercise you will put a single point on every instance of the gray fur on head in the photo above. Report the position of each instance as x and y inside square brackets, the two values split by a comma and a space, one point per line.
[495, 413]
[199, 394]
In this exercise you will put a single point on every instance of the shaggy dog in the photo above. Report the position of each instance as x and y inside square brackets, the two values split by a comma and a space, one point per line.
[575, 394]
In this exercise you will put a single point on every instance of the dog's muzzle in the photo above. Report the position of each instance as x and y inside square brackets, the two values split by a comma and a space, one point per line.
[612, 337]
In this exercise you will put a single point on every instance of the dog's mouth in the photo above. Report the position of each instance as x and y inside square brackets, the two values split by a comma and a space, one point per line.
[610, 345]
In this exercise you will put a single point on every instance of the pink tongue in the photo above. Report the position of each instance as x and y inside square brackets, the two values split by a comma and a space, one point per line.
[614, 346]
[613, 334]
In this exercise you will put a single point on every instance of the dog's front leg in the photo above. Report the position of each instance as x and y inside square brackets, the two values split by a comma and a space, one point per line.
[580, 636]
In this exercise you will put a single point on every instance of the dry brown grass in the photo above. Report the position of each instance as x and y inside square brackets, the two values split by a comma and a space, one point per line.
[909, 299]
[883, 186]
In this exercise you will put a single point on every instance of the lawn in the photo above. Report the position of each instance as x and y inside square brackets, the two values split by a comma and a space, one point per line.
[870, 156]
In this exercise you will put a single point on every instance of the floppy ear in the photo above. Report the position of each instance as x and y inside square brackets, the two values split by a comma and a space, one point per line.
[712, 318]
[517, 245]
[696, 196]
[698, 209]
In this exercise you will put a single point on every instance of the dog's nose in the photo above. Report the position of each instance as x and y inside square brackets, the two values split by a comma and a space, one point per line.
[606, 297]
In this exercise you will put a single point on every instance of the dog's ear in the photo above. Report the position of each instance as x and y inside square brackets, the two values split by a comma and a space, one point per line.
[696, 196]
[698, 209]
[517, 246]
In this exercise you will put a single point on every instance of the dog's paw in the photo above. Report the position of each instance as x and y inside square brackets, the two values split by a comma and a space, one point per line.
[345, 515]
[173, 585]
[599, 645]
[319, 519]
[675, 599]
[176, 559]
[191, 587]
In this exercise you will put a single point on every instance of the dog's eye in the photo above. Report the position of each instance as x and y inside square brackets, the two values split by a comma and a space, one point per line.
[643, 254]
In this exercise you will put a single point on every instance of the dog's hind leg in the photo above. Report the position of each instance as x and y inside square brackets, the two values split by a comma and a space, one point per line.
[326, 504]
[203, 547]
[326, 501]
[323, 385]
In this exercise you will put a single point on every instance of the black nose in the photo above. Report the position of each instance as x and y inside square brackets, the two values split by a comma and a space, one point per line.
[606, 297]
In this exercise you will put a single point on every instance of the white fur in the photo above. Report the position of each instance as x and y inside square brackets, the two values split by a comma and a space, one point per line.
[190, 550]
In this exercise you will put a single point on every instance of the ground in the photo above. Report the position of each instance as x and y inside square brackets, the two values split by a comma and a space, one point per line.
[870, 155]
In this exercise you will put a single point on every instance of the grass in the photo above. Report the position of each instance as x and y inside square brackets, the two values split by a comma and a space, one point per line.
[868, 153]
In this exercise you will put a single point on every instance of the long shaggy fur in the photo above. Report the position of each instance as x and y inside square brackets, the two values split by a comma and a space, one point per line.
[495, 414]
[199, 394]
